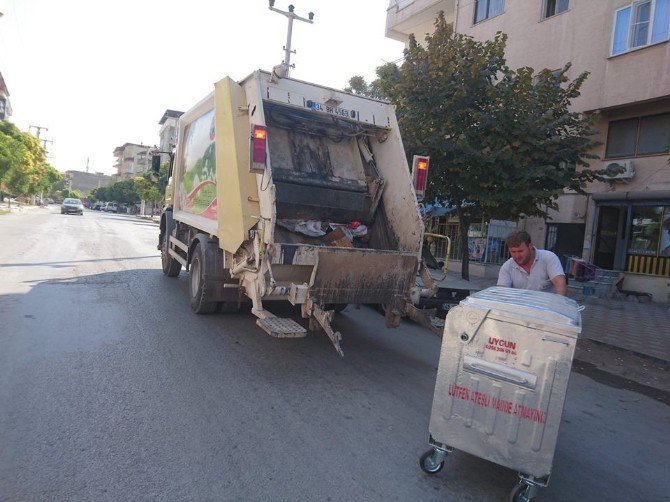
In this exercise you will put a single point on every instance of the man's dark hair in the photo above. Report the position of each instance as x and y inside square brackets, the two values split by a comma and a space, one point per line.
[517, 238]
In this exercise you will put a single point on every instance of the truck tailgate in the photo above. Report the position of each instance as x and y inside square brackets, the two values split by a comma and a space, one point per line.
[361, 275]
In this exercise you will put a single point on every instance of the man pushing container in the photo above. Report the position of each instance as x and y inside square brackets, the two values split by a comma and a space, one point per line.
[504, 368]
[531, 268]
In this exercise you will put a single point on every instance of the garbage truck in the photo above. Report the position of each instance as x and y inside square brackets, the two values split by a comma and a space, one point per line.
[283, 190]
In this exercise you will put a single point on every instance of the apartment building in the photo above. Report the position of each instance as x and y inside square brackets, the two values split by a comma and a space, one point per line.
[623, 223]
[131, 160]
[5, 106]
[168, 132]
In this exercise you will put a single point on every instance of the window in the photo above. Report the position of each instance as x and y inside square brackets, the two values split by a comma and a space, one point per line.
[648, 135]
[553, 7]
[640, 24]
[485, 9]
[650, 231]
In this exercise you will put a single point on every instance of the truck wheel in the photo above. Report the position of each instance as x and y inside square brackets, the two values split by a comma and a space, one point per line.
[171, 267]
[228, 307]
[198, 285]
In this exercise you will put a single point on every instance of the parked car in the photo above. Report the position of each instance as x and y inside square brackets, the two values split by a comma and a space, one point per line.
[112, 207]
[70, 206]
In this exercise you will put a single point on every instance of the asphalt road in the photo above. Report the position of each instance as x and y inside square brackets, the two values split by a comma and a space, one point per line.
[111, 389]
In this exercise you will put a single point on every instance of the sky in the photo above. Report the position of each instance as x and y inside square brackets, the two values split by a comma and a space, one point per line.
[99, 74]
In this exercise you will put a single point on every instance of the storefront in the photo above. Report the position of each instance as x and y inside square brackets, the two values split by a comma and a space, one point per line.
[632, 232]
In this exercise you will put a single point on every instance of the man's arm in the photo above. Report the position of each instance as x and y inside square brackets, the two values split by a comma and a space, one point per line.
[557, 276]
[560, 285]
[504, 277]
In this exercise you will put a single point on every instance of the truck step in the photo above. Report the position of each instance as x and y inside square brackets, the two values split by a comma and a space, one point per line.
[282, 328]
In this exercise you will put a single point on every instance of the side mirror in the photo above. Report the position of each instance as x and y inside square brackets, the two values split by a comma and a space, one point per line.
[156, 164]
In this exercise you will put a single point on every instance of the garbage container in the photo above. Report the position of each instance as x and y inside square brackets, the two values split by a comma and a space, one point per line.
[501, 383]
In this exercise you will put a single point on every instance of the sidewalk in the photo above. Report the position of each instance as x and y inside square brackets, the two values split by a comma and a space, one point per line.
[637, 327]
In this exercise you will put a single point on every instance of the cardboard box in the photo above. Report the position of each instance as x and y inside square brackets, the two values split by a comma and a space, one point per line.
[337, 238]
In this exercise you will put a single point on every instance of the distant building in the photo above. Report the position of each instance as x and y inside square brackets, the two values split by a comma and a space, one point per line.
[168, 132]
[85, 182]
[5, 107]
[131, 160]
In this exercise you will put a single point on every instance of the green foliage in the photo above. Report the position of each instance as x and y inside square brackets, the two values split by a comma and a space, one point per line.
[123, 192]
[148, 190]
[69, 193]
[502, 142]
[23, 166]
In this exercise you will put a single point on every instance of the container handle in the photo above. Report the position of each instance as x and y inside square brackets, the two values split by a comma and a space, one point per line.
[500, 372]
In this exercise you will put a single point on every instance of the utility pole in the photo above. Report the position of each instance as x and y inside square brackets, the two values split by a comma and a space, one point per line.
[44, 143]
[39, 130]
[284, 69]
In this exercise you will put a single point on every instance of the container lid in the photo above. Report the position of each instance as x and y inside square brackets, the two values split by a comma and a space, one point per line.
[548, 309]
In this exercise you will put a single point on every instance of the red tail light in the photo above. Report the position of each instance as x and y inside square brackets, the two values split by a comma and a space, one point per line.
[259, 137]
[420, 175]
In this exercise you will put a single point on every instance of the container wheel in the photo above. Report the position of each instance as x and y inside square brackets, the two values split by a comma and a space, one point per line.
[520, 493]
[428, 464]
[198, 285]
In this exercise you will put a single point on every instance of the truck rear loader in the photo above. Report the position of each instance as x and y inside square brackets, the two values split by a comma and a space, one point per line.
[282, 190]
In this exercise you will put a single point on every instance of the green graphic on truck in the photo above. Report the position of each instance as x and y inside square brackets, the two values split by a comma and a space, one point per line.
[198, 195]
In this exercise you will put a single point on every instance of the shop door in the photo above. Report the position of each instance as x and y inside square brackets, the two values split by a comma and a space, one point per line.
[606, 236]
[565, 239]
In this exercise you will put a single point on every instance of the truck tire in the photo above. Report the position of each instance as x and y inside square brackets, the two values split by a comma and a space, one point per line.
[171, 267]
[198, 284]
[228, 307]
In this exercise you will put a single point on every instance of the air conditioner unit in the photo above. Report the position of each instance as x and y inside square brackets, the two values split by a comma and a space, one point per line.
[621, 170]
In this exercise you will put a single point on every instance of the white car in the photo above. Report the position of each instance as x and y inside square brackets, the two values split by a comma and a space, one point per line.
[112, 207]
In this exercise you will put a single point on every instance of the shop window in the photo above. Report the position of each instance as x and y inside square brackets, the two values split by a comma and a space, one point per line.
[648, 135]
[645, 230]
[649, 242]
[485, 9]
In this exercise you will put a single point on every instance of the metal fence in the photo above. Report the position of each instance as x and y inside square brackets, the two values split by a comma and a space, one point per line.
[486, 240]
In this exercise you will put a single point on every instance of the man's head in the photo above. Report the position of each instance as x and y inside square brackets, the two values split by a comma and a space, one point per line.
[520, 248]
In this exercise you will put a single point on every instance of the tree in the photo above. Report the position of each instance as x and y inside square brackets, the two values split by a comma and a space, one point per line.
[23, 166]
[148, 190]
[123, 192]
[503, 143]
[71, 193]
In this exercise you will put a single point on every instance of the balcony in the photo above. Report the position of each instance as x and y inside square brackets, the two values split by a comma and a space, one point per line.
[404, 17]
